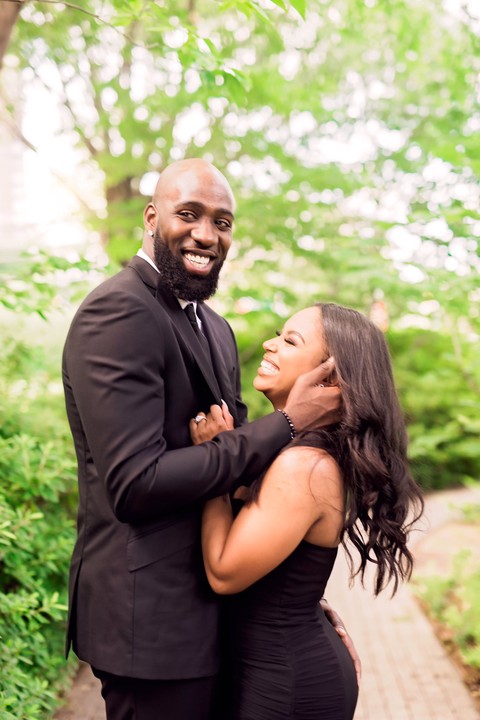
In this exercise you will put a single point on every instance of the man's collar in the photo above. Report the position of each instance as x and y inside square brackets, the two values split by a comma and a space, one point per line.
[141, 253]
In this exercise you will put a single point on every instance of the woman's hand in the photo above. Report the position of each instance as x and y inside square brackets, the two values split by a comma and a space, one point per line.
[205, 427]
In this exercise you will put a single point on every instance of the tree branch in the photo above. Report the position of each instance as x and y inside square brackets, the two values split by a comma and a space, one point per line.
[17, 132]
[66, 103]
[8, 18]
[79, 8]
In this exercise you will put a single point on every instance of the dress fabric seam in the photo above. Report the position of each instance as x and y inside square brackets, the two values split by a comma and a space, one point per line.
[289, 664]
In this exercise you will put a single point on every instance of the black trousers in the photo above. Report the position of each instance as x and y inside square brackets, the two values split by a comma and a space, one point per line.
[133, 699]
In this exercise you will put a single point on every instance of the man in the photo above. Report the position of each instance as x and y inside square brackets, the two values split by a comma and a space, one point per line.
[136, 369]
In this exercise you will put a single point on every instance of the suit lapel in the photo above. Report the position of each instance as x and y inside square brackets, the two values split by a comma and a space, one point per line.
[216, 338]
[184, 331]
[147, 273]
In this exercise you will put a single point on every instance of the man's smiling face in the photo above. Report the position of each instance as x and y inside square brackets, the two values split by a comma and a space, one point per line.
[194, 217]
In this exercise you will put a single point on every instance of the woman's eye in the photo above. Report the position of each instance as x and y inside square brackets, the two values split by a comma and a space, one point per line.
[286, 339]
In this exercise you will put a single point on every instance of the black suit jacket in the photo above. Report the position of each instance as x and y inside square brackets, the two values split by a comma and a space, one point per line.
[134, 374]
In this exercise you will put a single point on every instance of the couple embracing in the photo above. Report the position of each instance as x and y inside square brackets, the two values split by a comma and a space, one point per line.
[182, 501]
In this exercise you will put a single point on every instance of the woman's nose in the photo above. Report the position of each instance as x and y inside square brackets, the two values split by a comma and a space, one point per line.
[270, 345]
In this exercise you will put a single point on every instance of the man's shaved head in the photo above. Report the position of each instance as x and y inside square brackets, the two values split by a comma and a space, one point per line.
[193, 172]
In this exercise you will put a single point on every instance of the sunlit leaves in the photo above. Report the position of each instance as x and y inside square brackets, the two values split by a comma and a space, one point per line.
[348, 129]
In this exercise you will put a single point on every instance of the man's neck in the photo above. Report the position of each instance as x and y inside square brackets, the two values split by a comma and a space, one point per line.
[141, 253]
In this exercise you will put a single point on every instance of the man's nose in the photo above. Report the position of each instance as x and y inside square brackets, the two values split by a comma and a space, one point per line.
[205, 231]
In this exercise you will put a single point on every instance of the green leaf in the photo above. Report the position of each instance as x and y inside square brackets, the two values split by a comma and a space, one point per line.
[300, 6]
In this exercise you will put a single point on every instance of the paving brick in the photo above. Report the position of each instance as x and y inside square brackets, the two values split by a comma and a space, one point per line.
[407, 674]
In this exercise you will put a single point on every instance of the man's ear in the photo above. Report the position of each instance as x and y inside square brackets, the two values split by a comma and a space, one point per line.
[150, 217]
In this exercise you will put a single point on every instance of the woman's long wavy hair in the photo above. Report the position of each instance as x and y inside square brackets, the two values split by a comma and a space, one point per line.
[382, 500]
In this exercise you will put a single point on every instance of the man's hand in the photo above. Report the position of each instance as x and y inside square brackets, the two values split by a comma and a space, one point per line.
[205, 427]
[313, 402]
[335, 620]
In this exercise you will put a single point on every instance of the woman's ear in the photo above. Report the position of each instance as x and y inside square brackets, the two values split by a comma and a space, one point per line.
[332, 379]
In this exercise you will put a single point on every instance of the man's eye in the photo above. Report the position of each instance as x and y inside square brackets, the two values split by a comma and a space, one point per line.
[186, 215]
[224, 224]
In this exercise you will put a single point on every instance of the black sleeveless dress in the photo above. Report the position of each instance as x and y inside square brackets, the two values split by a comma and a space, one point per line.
[286, 660]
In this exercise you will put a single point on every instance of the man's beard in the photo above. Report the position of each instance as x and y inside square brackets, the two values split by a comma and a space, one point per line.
[177, 279]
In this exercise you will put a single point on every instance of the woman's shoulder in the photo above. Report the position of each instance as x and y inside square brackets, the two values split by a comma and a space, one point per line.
[303, 462]
[305, 454]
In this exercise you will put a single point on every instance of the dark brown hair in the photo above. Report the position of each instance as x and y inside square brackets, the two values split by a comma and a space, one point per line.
[382, 500]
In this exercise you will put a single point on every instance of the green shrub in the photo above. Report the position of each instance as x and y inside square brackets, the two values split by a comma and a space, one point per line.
[38, 489]
[440, 393]
[455, 603]
[37, 492]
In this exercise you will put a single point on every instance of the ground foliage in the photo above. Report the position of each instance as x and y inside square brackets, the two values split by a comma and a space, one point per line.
[37, 484]
[37, 475]
[452, 604]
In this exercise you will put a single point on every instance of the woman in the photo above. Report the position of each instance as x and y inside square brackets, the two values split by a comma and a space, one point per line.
[347, 481]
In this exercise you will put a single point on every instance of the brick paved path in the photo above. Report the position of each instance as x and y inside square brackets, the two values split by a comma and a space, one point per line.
[406, 673]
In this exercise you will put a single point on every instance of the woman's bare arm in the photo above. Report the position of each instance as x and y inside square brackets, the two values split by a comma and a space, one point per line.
[301, 485]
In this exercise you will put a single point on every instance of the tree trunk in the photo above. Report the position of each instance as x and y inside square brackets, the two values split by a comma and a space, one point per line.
[119, 228]
[8, 17]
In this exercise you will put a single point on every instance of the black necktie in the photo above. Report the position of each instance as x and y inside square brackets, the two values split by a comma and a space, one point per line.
[192, 316]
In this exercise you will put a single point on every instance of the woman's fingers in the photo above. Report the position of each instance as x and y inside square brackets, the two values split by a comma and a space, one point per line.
[204, 427]
[228, 418]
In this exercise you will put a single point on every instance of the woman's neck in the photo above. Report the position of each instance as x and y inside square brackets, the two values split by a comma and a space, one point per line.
[278, 403]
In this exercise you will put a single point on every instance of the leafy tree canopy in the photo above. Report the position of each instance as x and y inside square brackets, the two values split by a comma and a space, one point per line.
[348, 129]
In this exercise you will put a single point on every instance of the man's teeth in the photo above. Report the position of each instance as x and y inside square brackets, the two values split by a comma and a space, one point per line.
[268, 367]
[199, 260]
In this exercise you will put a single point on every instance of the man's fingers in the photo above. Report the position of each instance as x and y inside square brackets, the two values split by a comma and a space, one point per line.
[347, 640]
[328, 366]
[335, 620]
[319, 374]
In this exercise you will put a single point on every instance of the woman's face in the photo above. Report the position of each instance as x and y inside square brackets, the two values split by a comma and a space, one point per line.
[300, 347]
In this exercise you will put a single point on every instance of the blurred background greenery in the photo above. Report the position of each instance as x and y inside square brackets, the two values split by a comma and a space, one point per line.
[349, 130]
